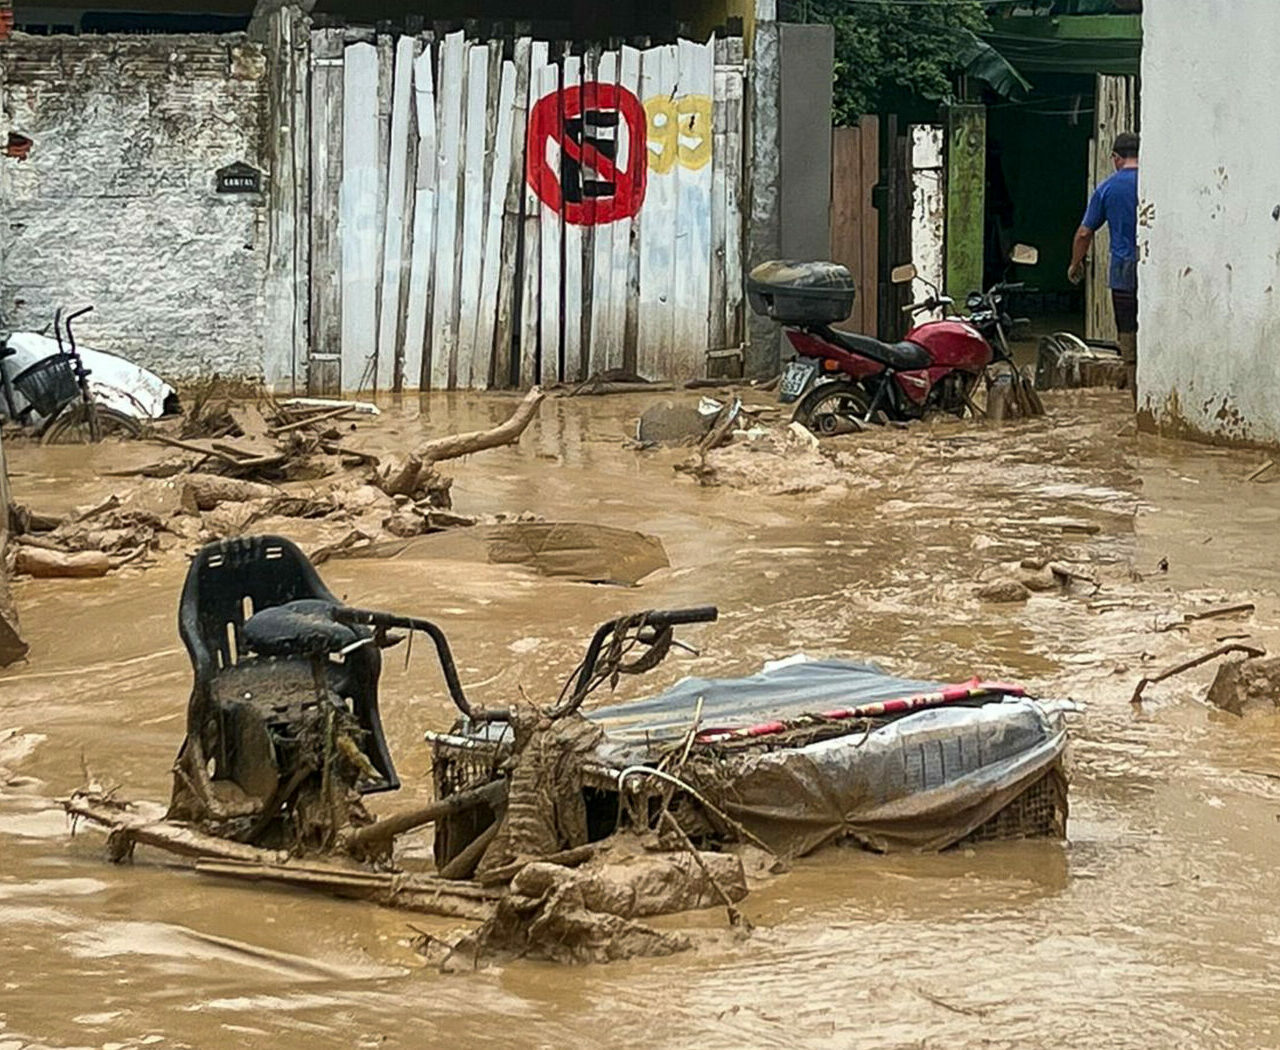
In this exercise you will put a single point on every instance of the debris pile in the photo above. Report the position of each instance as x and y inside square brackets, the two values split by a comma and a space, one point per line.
[245, 463]
[89, 542]
[1064, 360]
[590, 913]
[775, 461]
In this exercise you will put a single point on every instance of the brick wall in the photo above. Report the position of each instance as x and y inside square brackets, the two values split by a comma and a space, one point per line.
[115, 203]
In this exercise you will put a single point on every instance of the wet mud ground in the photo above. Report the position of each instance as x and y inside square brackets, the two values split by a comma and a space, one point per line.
[1157, 923]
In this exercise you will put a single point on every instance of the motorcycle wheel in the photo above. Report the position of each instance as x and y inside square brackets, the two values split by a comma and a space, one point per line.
[833, 408]
[71, 426]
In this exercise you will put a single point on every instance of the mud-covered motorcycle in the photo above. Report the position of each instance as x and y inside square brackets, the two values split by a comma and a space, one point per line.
[842, 381]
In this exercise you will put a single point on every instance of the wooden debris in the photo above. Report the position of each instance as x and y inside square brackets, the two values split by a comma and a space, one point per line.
[191, 446]
[206, 491]
[569, 858]
[428, 894]
[85, 514]
[167, 835]
[305, 404]
[163, 469]
[408, 478]
[1187, 665]
[43, 562]
[377, 837]
[721, 429]
[24, 520]
[1208, 614]
[216, 856]
[306, 421]
[1068, 576]
[1261, 470]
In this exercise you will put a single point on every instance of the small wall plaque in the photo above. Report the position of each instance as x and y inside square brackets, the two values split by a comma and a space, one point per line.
[239, 178]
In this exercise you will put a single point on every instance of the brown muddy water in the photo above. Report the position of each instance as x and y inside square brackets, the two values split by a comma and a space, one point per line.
[1157, 923]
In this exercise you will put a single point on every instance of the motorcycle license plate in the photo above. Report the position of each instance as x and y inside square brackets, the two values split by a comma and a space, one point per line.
[795, 377]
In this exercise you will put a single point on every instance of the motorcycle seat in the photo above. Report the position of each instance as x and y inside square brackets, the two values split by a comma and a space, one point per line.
[904, 356]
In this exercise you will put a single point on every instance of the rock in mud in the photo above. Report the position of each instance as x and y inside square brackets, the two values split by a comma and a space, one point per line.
[405, 522]
[1251, 684]
[671, 424]
[1007, 590]
[802, 436]
[1039, 579]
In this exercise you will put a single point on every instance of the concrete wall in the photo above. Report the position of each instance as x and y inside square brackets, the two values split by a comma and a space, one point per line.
[807, 55]
[1209, 282]
[790, 159]
[115, 204]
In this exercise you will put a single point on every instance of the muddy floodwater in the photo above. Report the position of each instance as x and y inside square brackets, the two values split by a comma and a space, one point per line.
[1156, 924]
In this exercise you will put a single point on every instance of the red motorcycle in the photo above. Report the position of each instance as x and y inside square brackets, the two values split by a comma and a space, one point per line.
[844, 380]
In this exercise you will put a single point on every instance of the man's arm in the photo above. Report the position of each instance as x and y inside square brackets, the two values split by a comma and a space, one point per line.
[1079, 249]
[1094, 216]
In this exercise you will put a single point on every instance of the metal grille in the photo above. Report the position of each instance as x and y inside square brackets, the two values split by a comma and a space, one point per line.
[1039, 812]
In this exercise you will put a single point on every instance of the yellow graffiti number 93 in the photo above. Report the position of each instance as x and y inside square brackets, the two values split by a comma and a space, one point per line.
[679, 130]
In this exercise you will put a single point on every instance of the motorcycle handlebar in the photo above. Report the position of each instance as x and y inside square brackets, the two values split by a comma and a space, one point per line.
[660, 619]
[371, 618]
[675, 617]
[925, 304]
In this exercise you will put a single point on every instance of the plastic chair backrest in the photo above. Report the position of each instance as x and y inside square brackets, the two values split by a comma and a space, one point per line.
[227, 582]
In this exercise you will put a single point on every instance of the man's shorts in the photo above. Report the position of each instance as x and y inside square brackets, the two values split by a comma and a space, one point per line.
[1125, 304]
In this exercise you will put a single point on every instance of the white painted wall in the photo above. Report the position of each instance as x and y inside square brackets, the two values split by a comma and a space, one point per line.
[928, 214]
[115, 205]
[1209, 281]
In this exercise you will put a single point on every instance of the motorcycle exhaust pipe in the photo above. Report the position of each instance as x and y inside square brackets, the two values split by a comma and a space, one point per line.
[829, 425]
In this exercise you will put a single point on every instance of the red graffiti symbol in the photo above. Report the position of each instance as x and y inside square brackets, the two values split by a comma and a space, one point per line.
[586, 126]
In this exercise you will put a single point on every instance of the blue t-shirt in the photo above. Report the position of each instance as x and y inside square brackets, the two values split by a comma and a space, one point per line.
[1115, 202]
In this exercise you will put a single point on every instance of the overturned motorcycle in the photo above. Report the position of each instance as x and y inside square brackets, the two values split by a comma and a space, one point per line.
[559, 827]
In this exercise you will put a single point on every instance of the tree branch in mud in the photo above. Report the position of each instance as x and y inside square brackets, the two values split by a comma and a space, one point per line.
[376, 838]
[1187, 665]
[407, 478]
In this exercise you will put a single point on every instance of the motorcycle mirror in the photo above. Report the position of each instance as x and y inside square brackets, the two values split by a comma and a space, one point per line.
[904, 274]
[1025, 255]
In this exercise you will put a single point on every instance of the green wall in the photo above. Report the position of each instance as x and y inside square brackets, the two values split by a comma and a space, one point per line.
[966, 167]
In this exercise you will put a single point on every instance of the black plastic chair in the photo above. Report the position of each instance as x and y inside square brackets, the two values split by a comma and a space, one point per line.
[226, 584]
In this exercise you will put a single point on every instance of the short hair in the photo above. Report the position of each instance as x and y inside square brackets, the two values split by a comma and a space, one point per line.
[1126, 145]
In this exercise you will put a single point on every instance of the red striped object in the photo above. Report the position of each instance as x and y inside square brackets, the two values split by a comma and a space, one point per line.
[971, 690]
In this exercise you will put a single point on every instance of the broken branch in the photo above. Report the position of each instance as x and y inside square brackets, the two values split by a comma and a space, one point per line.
[1208, 614]
[506, 433]
[405, 480]
[423, 893]
[306, 421]
[374, 837]
[1187, 665]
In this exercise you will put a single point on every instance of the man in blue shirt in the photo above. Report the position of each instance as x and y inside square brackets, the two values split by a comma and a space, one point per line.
[1115, 202]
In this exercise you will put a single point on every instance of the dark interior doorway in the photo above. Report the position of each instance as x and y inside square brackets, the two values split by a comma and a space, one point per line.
[1037, 188]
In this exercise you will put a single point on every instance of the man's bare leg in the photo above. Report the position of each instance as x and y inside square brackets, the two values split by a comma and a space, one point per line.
[1128, 342]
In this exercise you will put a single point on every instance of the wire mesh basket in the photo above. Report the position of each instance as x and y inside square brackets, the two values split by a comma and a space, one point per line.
[1039, 812]
[49, 384]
